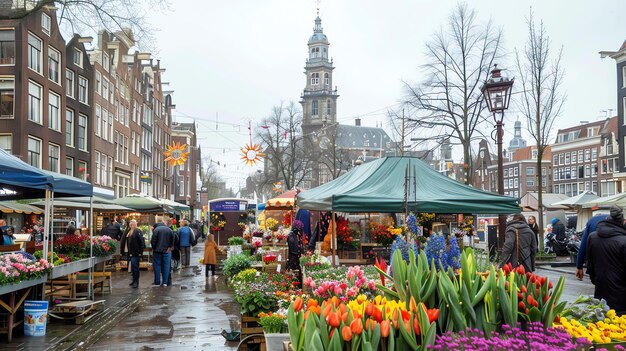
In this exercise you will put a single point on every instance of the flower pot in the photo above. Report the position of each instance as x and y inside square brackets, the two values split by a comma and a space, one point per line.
[274, 341]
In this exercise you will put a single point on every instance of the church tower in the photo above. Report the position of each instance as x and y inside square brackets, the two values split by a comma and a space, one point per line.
[319, 99]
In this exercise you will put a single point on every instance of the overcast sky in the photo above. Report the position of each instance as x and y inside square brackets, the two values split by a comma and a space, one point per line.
[231, 61]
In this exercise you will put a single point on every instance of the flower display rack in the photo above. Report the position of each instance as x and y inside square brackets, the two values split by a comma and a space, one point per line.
[77, 266]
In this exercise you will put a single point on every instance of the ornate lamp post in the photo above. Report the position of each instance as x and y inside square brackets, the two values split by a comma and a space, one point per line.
[497, 93]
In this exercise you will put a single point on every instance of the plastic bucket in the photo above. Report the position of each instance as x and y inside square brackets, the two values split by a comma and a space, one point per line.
[35, 318]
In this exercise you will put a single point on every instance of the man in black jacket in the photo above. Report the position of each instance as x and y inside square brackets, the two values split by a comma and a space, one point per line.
[606, 260]
[136, 244]
[162, 244]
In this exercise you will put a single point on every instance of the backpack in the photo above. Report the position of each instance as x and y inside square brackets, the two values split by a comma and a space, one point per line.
[192, 238]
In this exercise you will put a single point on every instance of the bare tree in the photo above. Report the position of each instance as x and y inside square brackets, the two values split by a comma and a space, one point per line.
[332, 156]
[282, 141]
[542, 97]
[213, 182]
[459, 59]
[88, 16]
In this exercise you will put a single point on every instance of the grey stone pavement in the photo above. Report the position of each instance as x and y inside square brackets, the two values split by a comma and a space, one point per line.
[189, 315]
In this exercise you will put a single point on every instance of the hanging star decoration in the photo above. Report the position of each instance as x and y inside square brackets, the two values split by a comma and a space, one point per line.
[251, 154]
[176, 154]
[278, 187]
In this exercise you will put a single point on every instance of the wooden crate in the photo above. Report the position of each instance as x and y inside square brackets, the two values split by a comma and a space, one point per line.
[250, 326]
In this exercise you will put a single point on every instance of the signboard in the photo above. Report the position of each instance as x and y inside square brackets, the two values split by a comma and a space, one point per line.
[227, 206]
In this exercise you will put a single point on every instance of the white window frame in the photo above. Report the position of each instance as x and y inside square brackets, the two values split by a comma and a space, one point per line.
[39, 52]
[35, 104]
[70, 83]
[315, 78]
[98, 86]
[69, 127]
[39, 151]
[82, 119]
[54, 112]
[105, 88]
[71, 159]
[52, 51]
[98, 174]
[83, 96]
[105, 61]
[8, 60]
[52, 146]
[9, 137]
[8, 80]
[315, 108]
[98, 130]
[624, 76]
[77, 58]
[45, 23]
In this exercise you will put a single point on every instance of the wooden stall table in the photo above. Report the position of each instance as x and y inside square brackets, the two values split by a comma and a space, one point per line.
[80, 311]
[11, 299]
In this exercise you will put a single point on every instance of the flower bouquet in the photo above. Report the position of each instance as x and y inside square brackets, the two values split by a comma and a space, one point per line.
[103, 246]
[273, 322]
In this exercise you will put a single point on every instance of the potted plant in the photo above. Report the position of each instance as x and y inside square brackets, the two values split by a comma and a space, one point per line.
[235, 244]
[275, 330]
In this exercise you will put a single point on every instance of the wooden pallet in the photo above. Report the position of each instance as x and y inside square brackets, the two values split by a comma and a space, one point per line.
[80, 311]
[123, 265]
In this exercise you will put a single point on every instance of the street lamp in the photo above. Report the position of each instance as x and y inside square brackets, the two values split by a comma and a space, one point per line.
[497, 93]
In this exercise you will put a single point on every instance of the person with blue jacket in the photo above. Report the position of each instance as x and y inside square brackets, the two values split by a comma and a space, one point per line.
[592, 223]
[185, 239]
[162, 244]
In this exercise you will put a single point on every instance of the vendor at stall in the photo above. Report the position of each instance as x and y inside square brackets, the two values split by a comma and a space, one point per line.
[7, 233]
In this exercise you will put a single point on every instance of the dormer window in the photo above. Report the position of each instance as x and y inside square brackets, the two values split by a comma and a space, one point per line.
[45, 23]
[315, 78]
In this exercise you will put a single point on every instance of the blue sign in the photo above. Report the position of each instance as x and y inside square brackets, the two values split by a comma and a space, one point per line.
[227, 206]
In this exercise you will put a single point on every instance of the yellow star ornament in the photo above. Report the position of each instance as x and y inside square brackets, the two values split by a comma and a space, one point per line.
[251, 154]
[176, 154]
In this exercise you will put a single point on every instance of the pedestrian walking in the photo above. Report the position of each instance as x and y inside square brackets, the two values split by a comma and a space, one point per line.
[591, 227]
[606, 260]
[520, 244]
[136, 244]
[185, 237]
[162, 245]
[210, 256]
[7, 236]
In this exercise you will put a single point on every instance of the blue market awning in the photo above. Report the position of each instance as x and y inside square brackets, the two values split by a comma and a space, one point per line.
[68, 186]
[19, 180]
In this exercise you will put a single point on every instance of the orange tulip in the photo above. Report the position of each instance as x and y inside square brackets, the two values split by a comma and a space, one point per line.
[346, 332]
[333, 319]
[316, 309]
[412, 305]
[384, 328]
[344, 317]
[370, 324]
[342, 309]
[327, 309]
[416, 325]
[311, 303]
[306, 314]
[356, 326]
[356, 314]
[433, 314]
[377, 315]
[297, 304]
[395, 318]
[369, 309]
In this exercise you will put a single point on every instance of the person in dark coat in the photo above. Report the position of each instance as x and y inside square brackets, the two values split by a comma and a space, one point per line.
[591, 226]
[162, 245]
[532, 223]
[520, 244]
[558, 229]
[606, 260]
[136, 245]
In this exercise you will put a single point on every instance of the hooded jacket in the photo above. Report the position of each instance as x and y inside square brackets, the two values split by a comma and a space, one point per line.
[527, 245]
[558, 229]
[606, 263]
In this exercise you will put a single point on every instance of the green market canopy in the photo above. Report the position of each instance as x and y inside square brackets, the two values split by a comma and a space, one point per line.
[379, 186]
[140, 203]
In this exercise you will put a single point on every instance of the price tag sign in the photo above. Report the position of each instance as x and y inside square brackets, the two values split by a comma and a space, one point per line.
[278, 269]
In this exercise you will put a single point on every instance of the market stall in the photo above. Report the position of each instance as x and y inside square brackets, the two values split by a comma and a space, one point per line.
[401, 185]
[225, 214]
[576, 203]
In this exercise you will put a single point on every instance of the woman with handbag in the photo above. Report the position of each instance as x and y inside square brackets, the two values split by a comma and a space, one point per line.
[520, 244]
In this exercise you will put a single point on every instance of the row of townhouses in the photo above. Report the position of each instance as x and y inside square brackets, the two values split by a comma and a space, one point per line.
[585, 157]
[96, 112]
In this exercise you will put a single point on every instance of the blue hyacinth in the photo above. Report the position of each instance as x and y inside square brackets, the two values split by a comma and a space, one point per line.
[401, 244]
[436, 251]
[411, 224]
[454, 253]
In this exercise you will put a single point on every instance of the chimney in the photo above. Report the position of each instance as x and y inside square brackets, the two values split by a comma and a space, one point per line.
[357, 122]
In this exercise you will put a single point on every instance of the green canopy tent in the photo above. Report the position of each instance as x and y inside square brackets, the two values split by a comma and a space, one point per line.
[379, 186]
[145, 204]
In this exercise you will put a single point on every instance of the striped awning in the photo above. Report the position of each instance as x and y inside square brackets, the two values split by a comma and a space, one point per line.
[16, 207]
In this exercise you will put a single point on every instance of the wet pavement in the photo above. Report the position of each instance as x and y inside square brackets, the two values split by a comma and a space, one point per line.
[189, 315]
